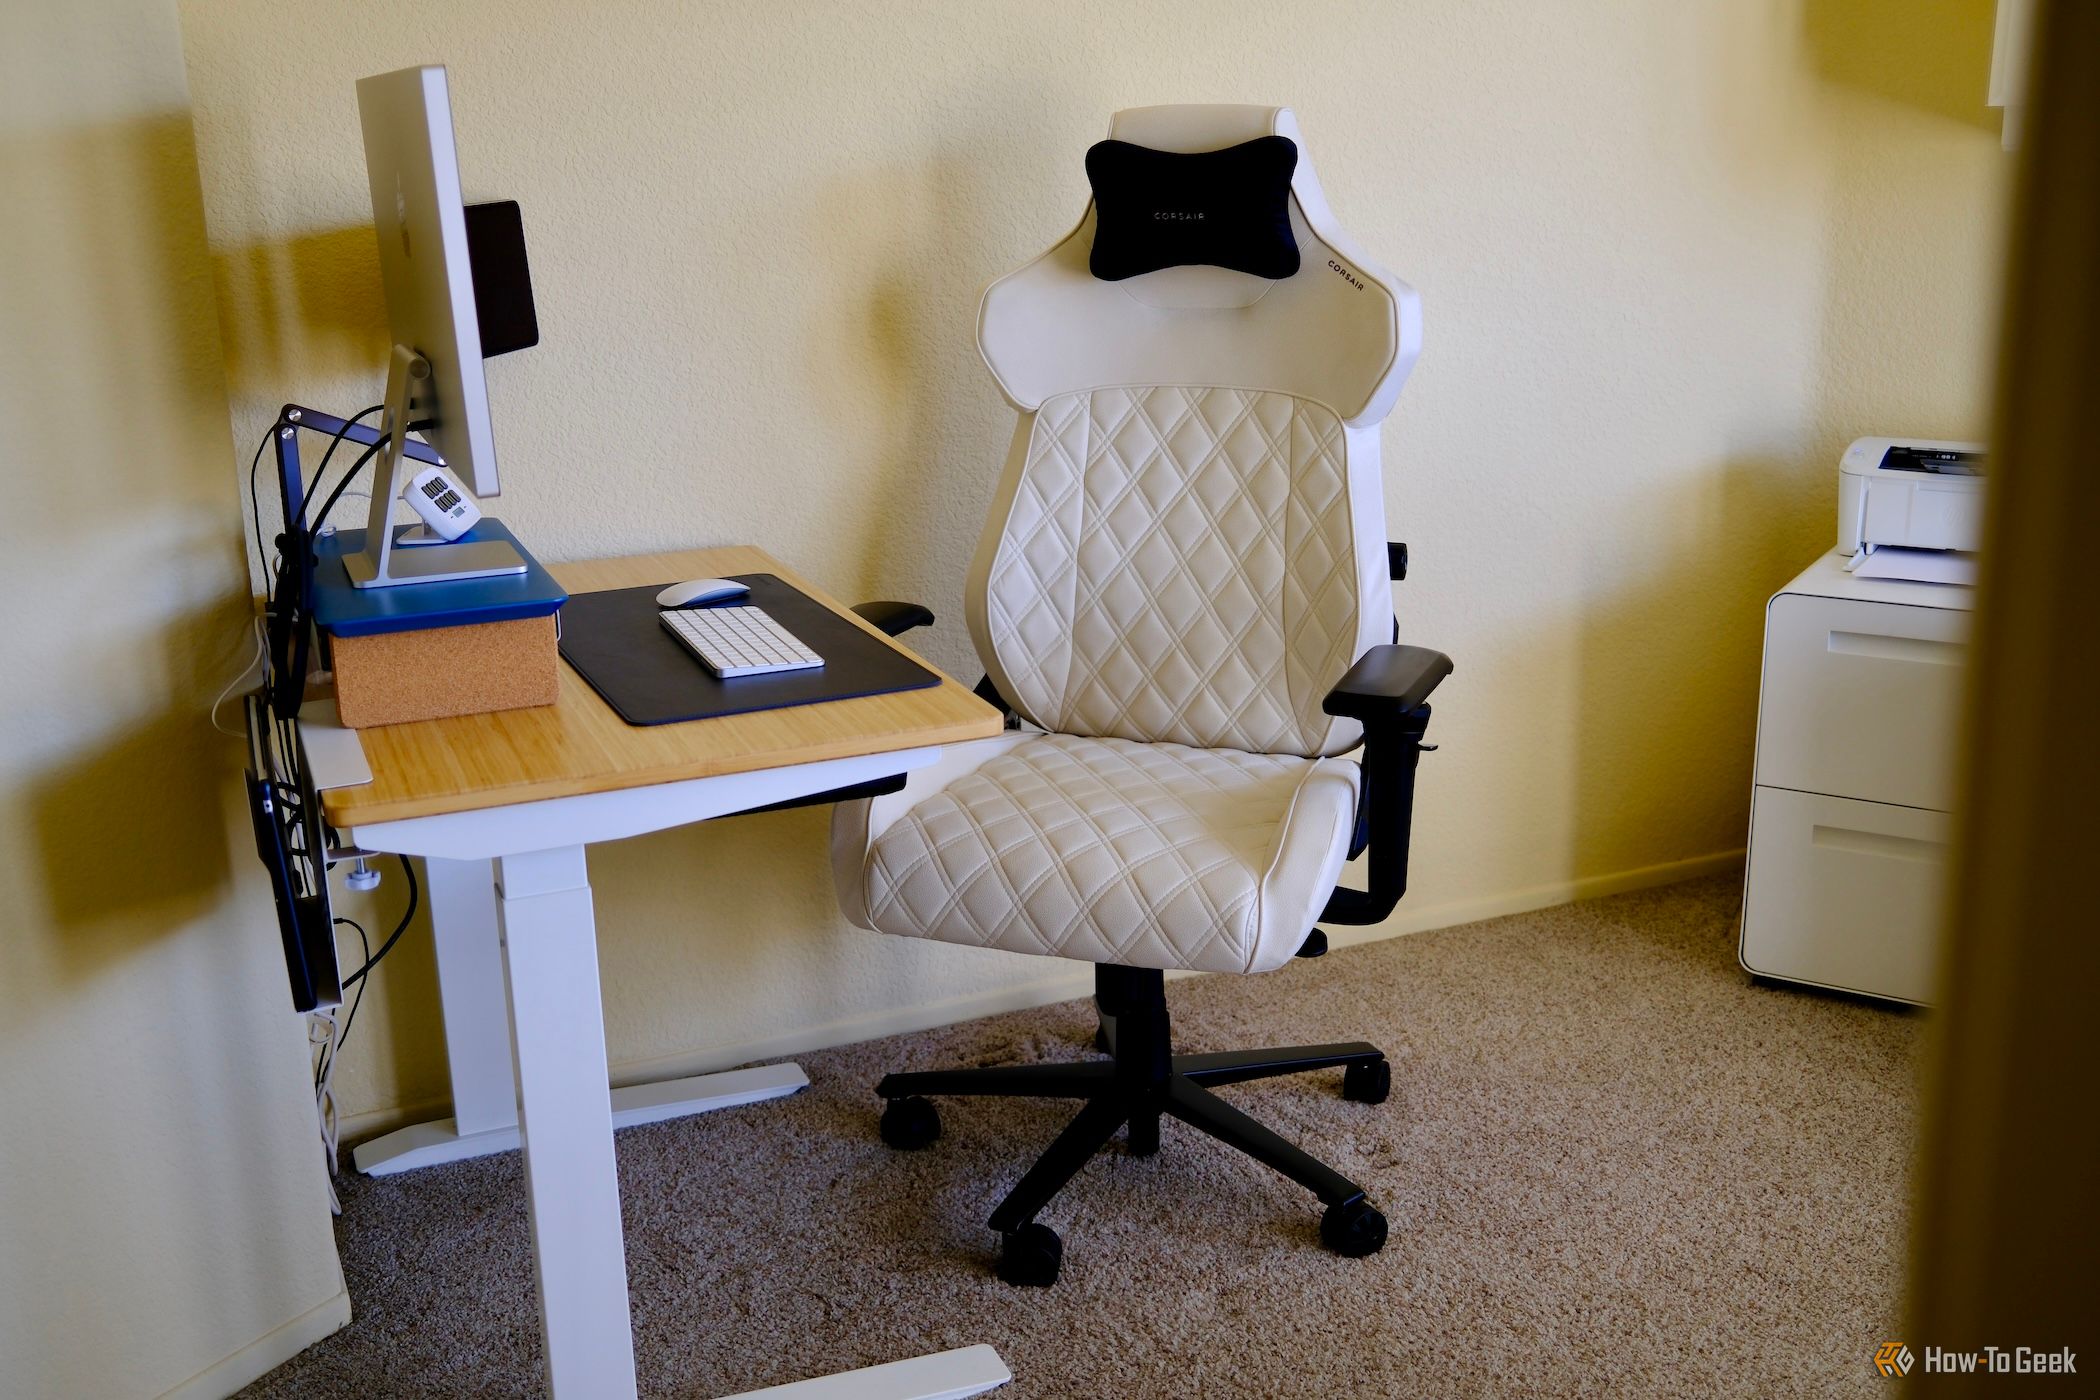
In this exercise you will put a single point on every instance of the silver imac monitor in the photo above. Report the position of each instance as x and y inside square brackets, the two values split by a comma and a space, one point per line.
[434, 378]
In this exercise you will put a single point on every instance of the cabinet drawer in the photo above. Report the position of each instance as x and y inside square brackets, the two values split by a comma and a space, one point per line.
[1861, 699]
[1844, 894]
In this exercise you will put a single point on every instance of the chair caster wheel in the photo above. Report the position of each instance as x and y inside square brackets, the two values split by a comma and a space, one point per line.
[1031, 1256]
[1353, 1229]
[1143, 1139]
[1371, 1082]
[911, 1123]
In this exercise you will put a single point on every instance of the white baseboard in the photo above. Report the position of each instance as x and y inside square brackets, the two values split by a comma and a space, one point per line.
[1496, 906]
[1064, 981]
[266, 1353]
[1070, 980]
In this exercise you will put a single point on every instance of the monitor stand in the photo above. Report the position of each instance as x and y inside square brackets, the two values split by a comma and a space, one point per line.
[386, 559]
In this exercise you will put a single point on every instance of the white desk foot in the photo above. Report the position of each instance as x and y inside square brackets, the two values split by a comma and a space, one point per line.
[945, 1375]
[433, 1143]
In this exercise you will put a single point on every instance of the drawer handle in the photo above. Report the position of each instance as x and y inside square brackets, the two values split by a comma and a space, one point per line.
[1876, 843]
[1885, 648]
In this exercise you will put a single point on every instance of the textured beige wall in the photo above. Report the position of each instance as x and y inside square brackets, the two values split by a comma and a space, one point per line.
[1672, 257]
[161, 1203]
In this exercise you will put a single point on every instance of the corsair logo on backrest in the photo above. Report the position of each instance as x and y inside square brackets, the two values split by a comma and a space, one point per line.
[1346, 275]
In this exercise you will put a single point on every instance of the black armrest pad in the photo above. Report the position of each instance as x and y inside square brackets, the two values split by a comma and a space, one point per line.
[1386, 682]
[894, 619]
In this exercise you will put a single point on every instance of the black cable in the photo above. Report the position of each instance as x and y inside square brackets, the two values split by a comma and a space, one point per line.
[328, 1056]
[286, 639]
[322, 470]
[408, 872]
[355, 468]
[286, 748]
[371, 961]
[349, 476]
[293, 803]
[290, 619]
[262, 559]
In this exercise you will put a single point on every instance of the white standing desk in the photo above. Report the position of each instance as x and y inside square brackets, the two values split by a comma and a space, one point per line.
[501, 807]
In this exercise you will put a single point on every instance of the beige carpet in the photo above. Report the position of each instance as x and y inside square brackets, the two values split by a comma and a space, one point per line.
[1612, 1166]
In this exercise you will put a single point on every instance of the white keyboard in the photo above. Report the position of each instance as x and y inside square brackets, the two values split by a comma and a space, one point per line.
[739, 641]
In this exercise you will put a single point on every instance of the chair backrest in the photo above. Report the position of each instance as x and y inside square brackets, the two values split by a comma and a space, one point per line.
[1188, 542]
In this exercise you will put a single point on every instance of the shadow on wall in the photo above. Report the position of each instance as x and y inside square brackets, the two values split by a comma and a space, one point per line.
[115, 207]
[868, 343]
[1934, 55]
[129, 834]
[305, 308]
[1916, 221]
[878, 362]
[1898, 352]
[111, 370]
[1651, 726]
[917, 247]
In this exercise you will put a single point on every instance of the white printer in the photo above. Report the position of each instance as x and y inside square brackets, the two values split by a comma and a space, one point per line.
[1910, 493]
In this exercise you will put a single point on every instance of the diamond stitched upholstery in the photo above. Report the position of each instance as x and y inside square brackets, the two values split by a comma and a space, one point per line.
[1180, 564]
[1145, 855]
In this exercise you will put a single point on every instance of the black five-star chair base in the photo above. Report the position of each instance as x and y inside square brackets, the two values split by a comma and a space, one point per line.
[1142, 1080]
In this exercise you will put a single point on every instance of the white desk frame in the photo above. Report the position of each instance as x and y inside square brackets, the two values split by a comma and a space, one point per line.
[474, 1001]
[525, 1029]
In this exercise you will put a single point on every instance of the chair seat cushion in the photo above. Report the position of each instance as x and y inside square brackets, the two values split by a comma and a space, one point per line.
[1106, 850]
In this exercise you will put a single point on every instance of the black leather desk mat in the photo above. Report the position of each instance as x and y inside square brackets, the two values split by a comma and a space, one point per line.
[616, 643]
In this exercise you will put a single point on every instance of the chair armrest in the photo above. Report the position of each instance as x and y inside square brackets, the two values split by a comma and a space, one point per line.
[894, 619]
[1388, 689]
[1386, 682]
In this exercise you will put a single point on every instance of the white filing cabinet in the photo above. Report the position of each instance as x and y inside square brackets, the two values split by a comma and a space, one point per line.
[1856, 729]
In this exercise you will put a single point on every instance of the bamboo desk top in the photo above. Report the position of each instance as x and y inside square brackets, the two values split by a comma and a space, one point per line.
[579, 745]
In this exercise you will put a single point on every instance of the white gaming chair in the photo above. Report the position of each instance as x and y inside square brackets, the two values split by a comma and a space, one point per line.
[1183, 600]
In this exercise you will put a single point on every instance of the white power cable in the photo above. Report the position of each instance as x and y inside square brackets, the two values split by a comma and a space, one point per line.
[258, 658]
[321, 1032]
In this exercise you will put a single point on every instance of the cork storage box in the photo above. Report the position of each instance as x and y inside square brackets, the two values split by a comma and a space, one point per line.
[434, 650]
[395, 677]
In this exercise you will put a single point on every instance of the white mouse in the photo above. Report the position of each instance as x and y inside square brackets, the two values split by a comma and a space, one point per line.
[693, 592]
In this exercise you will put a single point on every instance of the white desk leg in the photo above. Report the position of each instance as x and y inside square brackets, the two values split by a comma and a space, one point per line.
[477, 1029]
[469, 948]
[557, 1023]
[477, 1044]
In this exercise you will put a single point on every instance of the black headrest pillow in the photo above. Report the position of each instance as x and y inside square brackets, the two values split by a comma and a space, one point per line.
[1229, 208]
